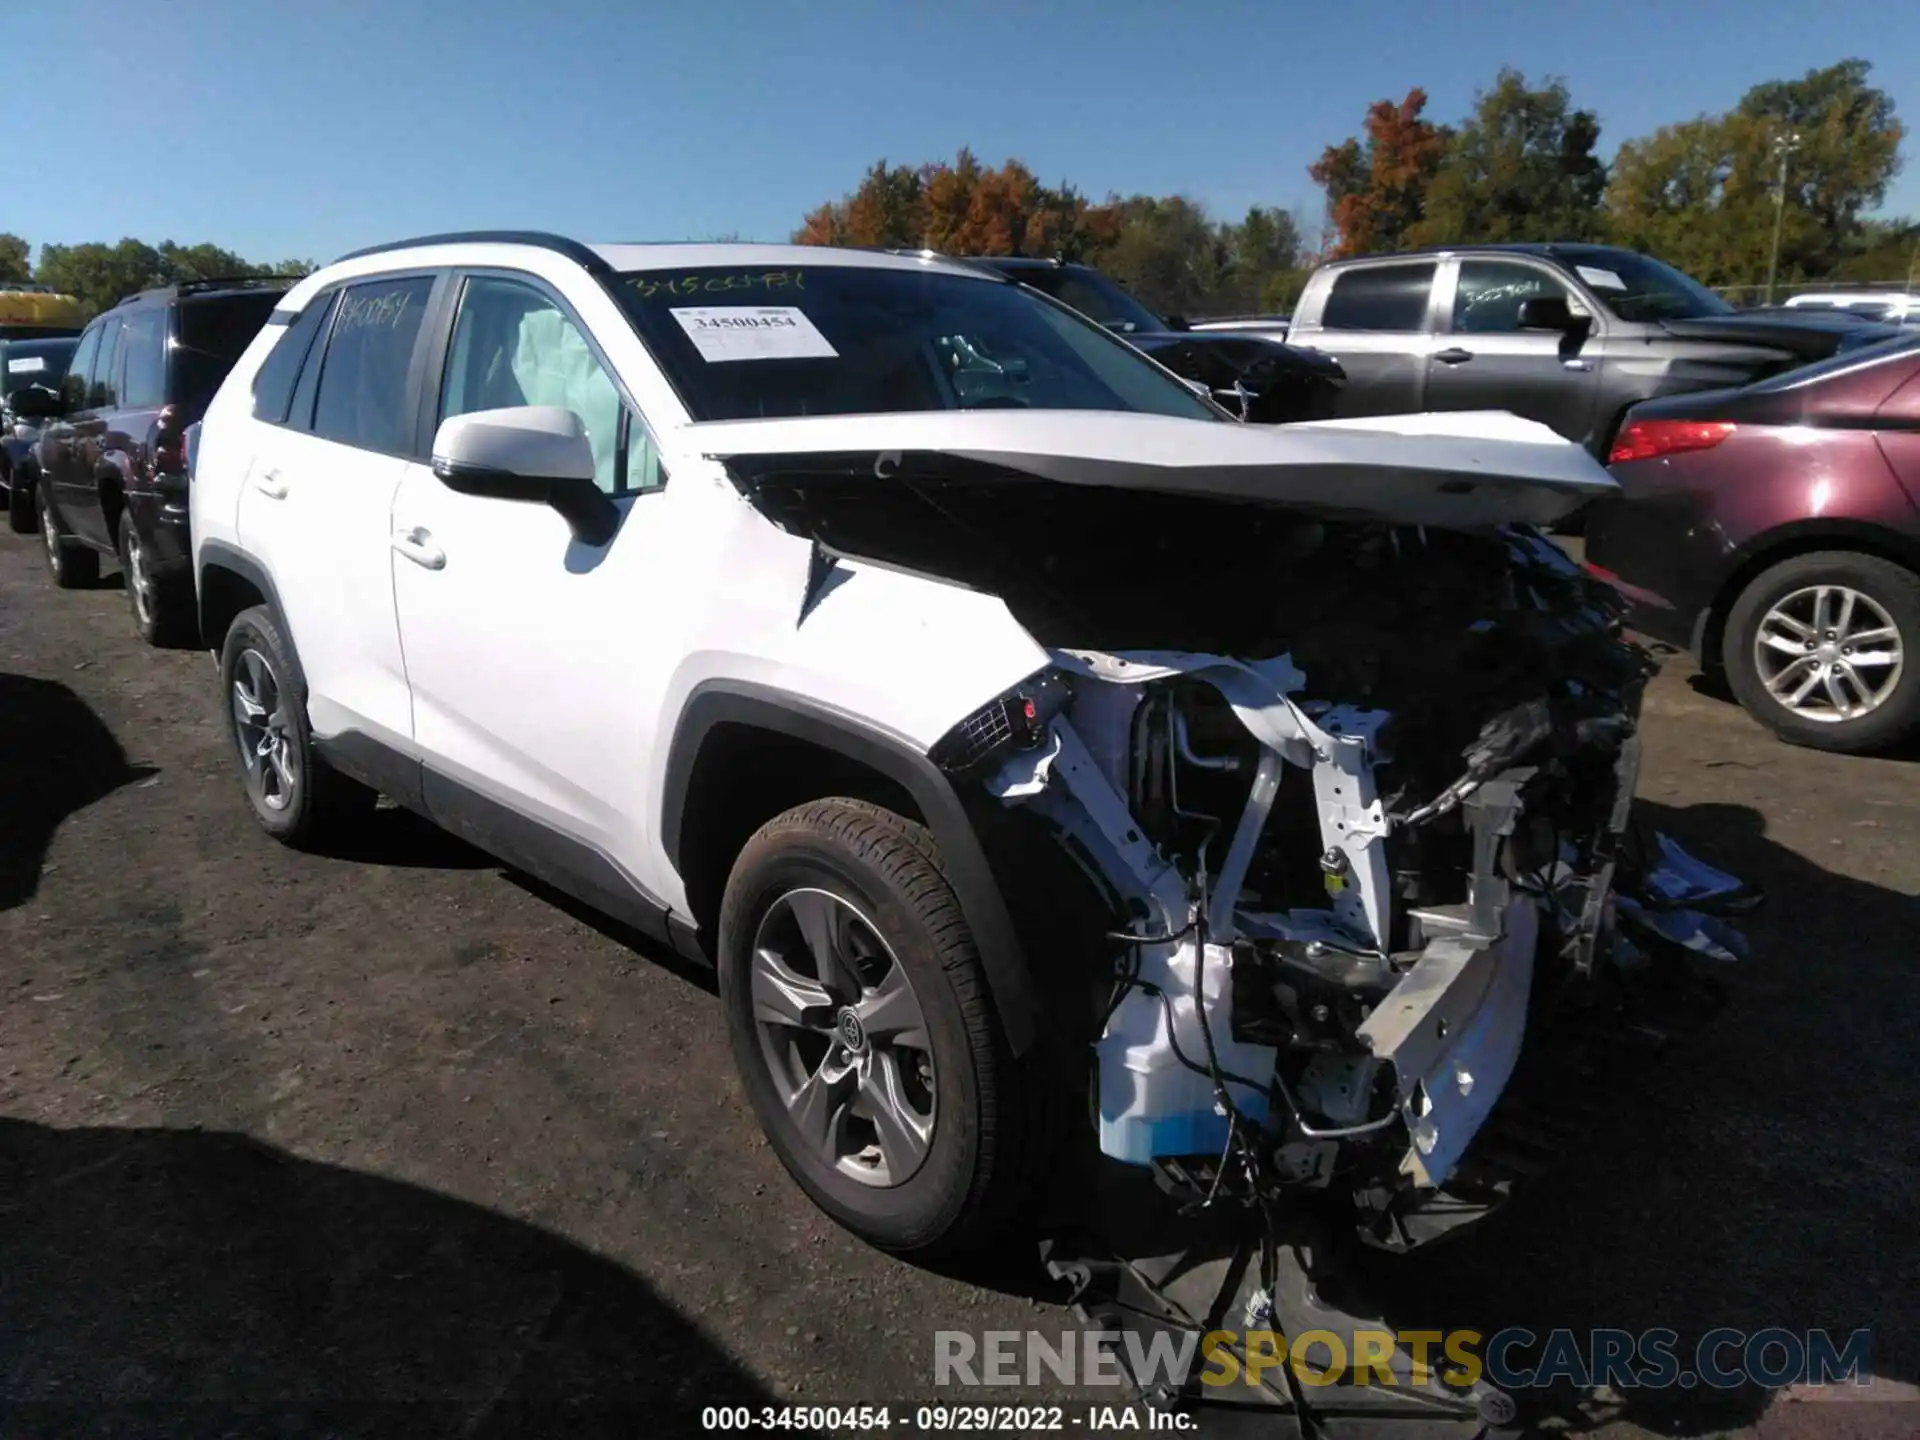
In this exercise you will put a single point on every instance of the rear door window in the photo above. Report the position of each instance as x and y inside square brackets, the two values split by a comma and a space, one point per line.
[103, 384]
[213, 333]
[365, 396]
[1380, 297]
[145, 346]
[273, 383]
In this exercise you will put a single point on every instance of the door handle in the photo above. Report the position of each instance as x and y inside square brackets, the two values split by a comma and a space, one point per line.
[417, 545]
[1453, 356]
[271, 485]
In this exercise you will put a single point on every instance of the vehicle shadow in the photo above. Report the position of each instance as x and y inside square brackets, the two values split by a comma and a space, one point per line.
[175, 1283]
[1755, 1177]
[56, 757]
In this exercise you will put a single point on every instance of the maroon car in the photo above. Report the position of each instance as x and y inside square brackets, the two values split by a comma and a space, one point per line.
[1774, 531]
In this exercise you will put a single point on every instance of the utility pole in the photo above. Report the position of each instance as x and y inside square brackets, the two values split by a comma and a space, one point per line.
[1783, 146]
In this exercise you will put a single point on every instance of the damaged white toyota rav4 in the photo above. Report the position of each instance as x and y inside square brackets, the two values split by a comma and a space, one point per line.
[1008, 724]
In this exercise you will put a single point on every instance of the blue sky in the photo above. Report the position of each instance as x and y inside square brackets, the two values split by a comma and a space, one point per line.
[308, 127]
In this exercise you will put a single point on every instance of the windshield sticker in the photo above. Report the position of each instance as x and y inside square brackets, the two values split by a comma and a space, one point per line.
[752, 332]
[687, 286]
[26, 365]
[1600, 279]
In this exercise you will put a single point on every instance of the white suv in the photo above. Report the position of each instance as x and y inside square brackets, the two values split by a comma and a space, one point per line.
[1005, 722]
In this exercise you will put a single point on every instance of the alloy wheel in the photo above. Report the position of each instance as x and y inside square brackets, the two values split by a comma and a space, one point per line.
[138, 581]
[1828, 653]
[262, 731]
[50, 533]
[844, 1037]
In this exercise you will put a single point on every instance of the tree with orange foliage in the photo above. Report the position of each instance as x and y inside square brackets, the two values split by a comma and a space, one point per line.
[1376, 190]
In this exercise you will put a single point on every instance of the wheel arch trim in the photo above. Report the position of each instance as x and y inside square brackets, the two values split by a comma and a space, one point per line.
[754, 706]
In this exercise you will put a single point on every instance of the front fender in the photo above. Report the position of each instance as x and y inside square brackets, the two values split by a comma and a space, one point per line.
[733, 702]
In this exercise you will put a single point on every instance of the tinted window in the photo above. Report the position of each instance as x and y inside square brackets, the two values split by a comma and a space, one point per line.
[514, 346]
[1380, 297]
[213, 333]
[363, 379]
[74, 388]
[145, 346]
[300, 413]
[1488, 298]
[848, 340]
[273, 382]
[103, 383]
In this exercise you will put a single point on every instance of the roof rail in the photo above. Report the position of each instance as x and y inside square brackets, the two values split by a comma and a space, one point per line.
[581, 255]
[223, 282]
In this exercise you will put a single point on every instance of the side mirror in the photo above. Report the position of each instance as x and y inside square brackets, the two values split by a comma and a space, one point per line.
[1546, 312]
[35, 402]
[534, 453]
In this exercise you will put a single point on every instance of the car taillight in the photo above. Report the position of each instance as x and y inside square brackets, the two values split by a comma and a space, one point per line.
[1649, 439]
[168, 453]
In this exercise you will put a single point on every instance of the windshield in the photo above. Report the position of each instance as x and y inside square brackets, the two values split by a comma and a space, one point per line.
[1640, 288]
[33, 362]
[1094, 296]
[745, 343]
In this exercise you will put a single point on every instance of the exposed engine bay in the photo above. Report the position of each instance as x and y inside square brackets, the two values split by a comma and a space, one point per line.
[1355, 795]
[1337, 872]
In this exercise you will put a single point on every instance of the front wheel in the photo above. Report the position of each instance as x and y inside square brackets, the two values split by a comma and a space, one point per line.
[860, 1021]
[1815, 649]
[20, 491]
[72, 565]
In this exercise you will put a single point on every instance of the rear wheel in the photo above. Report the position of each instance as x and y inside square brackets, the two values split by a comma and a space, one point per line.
[295, 795]
[1816, 650]
[162, 609]
[20, 517]
[72, 565]
[860, 1021]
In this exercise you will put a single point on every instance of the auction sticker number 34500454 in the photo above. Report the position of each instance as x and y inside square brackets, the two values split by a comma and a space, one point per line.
[926, 1419]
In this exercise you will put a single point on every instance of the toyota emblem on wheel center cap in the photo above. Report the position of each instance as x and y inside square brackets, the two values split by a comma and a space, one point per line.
[852, 1034]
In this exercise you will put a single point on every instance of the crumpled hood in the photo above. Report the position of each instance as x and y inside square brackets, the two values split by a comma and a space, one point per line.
[1468, 468]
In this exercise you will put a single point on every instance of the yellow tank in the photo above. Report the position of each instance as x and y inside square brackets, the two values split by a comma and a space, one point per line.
[36, 307]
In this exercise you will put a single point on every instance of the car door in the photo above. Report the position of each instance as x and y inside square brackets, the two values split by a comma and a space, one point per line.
[55, 448]
[76, 488]
[316, 506]
[1376, 321]
[1484, 360]
[533, 656]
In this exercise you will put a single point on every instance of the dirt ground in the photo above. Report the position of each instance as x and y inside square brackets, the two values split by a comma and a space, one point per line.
[390, 1143]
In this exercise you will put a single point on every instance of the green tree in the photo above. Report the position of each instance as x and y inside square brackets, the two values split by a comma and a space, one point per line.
[1701, 194]
[1168, 253]
[1376, 190]
[100, 275]
[16, 258]
[1521, 167]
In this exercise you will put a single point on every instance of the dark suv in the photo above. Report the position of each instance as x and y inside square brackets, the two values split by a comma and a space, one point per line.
[111, 459]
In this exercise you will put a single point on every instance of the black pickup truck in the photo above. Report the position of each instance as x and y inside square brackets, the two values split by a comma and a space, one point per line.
[1569, 335]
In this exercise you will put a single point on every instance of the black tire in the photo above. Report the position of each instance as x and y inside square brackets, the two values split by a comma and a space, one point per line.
[985, 1154]
[1890, 587]
[162, 608]
[319, 804]
[72, 565]
[20, 515]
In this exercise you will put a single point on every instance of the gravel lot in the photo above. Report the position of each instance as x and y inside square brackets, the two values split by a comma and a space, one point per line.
[392, 1143]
